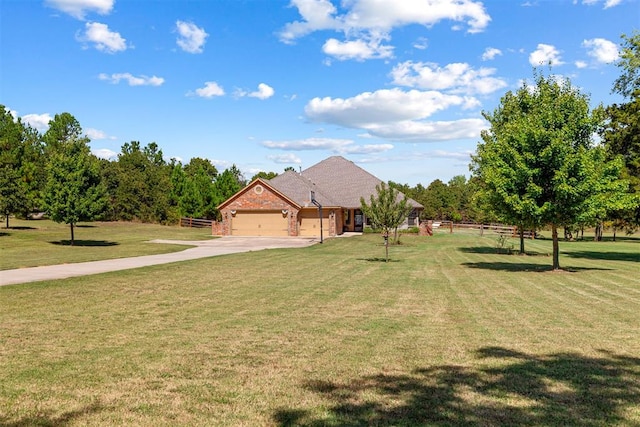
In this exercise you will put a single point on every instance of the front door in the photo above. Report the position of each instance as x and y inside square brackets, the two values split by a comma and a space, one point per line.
[358, 219]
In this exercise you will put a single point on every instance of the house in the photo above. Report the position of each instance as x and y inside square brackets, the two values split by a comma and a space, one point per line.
[283, 206]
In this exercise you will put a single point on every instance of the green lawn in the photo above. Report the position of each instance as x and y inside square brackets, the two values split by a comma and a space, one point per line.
[448, 333]
[42, 242]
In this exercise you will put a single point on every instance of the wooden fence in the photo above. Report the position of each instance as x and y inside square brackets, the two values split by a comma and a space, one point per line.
[502, 229]
[196, 223]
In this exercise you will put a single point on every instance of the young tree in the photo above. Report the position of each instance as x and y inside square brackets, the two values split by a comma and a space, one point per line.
[386, 211]
[73, 191]
[536, 159]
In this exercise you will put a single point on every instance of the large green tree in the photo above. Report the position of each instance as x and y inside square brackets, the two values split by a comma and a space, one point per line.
[621, 133]
[139, 184]
[386, 211]
[536, 160]
[73, 190]
[21, 167]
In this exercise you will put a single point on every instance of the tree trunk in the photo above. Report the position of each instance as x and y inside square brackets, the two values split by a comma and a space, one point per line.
[7, 216]
[72, 239]
[521, 240]
[614, 234]
[556, 248]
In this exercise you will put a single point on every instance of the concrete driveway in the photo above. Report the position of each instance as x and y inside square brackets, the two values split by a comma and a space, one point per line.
[201, 249]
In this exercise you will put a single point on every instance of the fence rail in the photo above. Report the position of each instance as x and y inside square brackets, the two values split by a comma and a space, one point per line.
[195, 223]
[502, 229]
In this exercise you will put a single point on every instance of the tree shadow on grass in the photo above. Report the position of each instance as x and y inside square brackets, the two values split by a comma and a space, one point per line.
[378, 259]
[488, 250]
[85, 243]
[609, 256]
[19, 227]
[521, 266]
[519, 390]
[3, 234]
[46, 418]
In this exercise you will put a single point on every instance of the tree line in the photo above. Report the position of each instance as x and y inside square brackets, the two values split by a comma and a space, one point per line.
[55, 172]
[547, 159]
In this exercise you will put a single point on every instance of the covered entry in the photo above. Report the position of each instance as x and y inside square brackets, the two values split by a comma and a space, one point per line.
[259, 223]
[309, 223]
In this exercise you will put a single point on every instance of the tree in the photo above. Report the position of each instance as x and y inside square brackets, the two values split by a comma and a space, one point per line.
[536, 160]
[264, 175]
[227, 184]
[63, 128]
[21, 166]
[386, 211]
[197, 163]
[621, 133]
[629, 81]
[140, 185]
[73, 191]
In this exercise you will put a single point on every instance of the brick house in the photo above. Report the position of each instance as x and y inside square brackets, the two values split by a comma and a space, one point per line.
[282, 206]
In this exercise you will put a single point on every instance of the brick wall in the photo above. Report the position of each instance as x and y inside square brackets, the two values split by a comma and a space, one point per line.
[258, 199]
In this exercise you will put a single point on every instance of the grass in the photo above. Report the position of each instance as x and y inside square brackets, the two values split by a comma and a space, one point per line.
[42, 242]
[450, 333]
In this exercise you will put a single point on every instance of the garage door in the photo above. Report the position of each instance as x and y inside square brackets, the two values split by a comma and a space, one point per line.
[309, 225]
[259, 224]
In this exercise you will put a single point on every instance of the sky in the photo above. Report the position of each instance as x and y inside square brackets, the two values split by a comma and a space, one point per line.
[396, 86]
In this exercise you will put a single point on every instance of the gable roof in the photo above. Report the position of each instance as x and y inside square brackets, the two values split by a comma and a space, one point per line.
[344, 182]
[266, 184]
[298, 188]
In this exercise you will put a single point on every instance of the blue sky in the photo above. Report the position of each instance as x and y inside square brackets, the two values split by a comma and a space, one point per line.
[397, 86]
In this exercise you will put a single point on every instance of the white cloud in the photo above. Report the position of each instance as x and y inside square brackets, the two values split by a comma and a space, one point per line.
[191, 38]
[337, 146]
[422, 43]
[581, 64]
[602, 50]
[357, 49]
[464, 155]
[394, 115]
[308, 144]
[383, 106]
[38, 121]
[264, 91]
[131, 79]
[367, 23]
[285, 159]
[105, 153]
[209, 90]
[545, 54]
[490, 53]
[607, 3]
[458, 77]
[103, 39]
[366, 149]
[79, 8]
[423, 131]
[382, 15]
[95, 134]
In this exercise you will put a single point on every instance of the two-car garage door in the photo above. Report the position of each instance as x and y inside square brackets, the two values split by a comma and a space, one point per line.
[263, 223]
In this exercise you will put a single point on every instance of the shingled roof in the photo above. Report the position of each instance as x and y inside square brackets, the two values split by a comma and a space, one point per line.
[336, 182]
[298, 189]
